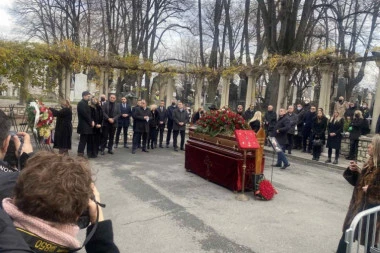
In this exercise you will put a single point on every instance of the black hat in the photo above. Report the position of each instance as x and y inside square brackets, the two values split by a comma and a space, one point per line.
[85, 93]
[212, 107]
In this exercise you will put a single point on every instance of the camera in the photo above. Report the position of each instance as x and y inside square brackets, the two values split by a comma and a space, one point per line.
[14, 133]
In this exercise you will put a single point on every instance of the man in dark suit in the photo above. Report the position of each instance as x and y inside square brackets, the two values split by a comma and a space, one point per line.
[162, 117]
[282, 129]
[123, 122]
[292, 117]
[170, 110]
[142, 115]
[270, 120]
[138, 105]
[85, 123]
[180, 118]
[111, 114]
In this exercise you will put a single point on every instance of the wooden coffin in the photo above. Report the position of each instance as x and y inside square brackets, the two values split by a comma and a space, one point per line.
[218, 159]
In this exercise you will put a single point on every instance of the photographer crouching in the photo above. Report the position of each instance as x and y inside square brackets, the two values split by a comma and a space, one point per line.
[52, 194]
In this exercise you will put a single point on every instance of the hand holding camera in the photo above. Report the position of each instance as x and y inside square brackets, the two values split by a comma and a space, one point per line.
[22, 140]
[92, 206]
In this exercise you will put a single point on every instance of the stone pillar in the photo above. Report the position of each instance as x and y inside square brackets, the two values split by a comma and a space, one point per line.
[67, 84]
[106, 83]
[295, 88]
[251, 91]
[324, 94]
[63, 84]
[198, 93]
[169, 90]
[225, 91]
[284, 79]
[376, 106]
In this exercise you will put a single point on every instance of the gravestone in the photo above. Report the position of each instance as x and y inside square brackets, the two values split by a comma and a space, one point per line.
[80, 85]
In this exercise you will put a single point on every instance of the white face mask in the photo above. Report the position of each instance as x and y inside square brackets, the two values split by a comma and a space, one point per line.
[299, 108]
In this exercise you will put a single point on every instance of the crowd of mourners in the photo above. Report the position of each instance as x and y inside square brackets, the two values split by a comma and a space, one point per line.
[47, 218]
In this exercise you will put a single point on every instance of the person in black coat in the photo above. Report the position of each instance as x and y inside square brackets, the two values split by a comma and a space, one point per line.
[350, 112]
[180, 118]
[306, 131]
[270, 120]
[123, 122]
[355, 132]
[170, 110]
[97, 116]
[293, 119]
[111, 114]
[249, 113]
[300, 117]
[137, 106]
[197, 115]
[85, 123]
[153, 126]
[255, 122]
[142, 115]
[162, 118]
[334, 136]
[318, 134]
[282, 128]
[63, 128]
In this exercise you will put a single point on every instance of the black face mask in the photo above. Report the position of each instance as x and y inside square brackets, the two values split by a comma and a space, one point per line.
[173, 103]
[340, 100]
[102, 99]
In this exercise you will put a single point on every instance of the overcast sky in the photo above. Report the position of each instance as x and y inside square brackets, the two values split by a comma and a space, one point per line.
[5, 19]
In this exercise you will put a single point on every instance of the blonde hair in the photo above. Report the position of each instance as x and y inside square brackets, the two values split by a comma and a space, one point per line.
[153, 107]
[376, 150]
[256, 116]
[337, 119]
[359, 112]
[65, 102]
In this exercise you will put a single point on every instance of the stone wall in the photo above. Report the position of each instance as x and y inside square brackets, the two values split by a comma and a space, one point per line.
[362, 150]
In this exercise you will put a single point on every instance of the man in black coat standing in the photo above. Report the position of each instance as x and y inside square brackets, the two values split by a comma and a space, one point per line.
[162, 117]
[298, 136]
[293, 122]
[270, 120]
[180, 118]
[170, 110]
[111, 114]
[142, 115]
[123, 122]
[248, 114]
[85, 123]
[306, 131]
[282, 129]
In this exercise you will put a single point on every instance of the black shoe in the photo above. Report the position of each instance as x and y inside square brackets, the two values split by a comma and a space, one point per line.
[161, 146]
[176, 149]
[285, 166]
[182, 149]
[110, 152]
[133, 151]
[317, 159]
[277, 165]
[328, 160]
[167, 145]
[102, 153]
[152, 147]
[126, 146]
[144, 150]
[148, 147]
[289, 152]
[335, 161]
[116, 145]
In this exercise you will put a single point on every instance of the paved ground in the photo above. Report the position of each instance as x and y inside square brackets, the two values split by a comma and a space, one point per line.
[156, 206]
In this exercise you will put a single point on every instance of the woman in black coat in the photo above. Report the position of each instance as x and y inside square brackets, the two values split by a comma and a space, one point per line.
[318, 132]
[96, 137]
[63, 127]
[255, 122]
[334, 136]
[153, 125]
[355, 132]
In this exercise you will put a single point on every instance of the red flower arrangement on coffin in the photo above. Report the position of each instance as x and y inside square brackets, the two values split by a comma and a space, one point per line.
[266, 190]
[220, 122]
